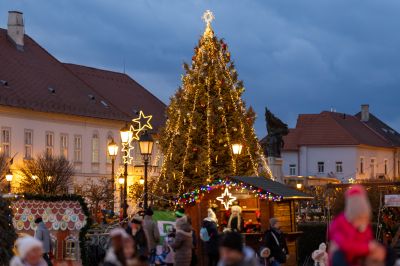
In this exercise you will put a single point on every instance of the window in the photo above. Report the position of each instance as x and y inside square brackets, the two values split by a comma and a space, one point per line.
[77, 148]
[6, 141]
[95, 148]
[361, 165]
[339, 167]
[292, 169]
[321, 167]
[49, 143]
[28, 141]
[64, 145]
[70, 251]
[386, 166]
[372, 167]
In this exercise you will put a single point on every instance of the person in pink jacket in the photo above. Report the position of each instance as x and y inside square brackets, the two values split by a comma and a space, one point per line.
[350, 233]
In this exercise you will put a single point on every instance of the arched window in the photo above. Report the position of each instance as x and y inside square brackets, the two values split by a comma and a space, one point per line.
[95, 148]
[71, 248]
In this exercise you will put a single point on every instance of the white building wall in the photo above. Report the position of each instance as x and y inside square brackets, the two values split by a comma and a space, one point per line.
[374, 162]
[290, 158]
[329, 156]
[18, 120]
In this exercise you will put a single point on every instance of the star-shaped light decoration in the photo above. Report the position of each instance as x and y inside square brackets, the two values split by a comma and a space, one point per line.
[208, 17]
[226, 199]
[143, 122]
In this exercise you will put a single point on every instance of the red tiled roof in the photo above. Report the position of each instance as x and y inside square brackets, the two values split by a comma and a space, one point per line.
[32, 74]
[329, 128]
[122, 91]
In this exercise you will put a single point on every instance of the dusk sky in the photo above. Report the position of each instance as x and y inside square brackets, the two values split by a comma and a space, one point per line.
[293, 56]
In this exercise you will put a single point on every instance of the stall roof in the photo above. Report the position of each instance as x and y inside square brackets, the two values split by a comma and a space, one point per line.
[274, 187]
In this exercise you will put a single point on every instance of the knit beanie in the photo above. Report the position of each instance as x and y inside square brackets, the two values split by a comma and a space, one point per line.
[232, 240]
[180, 212]
[356, 203]
[211, 216]
[116, 232]
[26, 244]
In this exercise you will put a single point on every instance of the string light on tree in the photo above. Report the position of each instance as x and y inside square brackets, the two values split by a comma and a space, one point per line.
[226, 199]
[204, 118]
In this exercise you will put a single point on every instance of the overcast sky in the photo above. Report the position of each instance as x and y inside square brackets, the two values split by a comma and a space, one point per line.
[293, 56]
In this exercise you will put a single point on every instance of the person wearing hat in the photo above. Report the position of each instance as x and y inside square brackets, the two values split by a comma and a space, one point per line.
[151, 231]
[30, 252]
[350, 233]
[233, 252]
[275, 241]
[139, 235]
[209, 235]
[43, 234]
[183, 242]
[115, 255]
[180, 213]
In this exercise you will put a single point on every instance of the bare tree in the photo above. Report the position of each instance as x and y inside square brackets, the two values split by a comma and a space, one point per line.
[97, 193]
[3, 168]
[46, 174]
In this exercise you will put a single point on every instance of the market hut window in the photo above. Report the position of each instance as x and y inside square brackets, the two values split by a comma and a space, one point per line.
[71, 248]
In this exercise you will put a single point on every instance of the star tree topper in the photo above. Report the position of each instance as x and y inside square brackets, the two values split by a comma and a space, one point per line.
[226, 199]
[208, 17]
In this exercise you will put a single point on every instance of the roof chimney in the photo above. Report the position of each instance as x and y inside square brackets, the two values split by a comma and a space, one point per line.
[15, 28]
[364, 112]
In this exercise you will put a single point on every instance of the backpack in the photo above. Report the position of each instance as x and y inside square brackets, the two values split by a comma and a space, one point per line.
[204, 234]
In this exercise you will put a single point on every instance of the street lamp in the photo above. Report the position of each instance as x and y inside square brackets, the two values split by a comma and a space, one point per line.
[9, 177]
[121, 181]
[146, 148]
[237, 150]
[112, 151]
[141, 181]
[126, 137]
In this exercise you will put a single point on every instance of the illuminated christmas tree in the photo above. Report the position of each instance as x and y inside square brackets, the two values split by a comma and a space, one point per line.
[206, 117]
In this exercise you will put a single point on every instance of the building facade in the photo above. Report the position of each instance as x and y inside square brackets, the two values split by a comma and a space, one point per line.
[342, 146]
[65, 109]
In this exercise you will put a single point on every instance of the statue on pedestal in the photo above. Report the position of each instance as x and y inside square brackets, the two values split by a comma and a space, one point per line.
[276, 130]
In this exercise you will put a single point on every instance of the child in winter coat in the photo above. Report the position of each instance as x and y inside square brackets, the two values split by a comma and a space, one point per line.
[351, 234]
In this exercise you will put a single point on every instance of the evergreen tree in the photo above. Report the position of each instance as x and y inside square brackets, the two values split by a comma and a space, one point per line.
[205, 117]
[7, 232]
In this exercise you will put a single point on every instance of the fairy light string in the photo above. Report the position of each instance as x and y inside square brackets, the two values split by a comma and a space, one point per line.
[221, 184]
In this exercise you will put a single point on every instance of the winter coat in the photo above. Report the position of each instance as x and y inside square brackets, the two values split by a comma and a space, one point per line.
[43, 234]
[348, 239]
[276, 242]
[211, 245]
[141, 242]
[152, 233]
[17, 261]
[250, 258]
[183, 244]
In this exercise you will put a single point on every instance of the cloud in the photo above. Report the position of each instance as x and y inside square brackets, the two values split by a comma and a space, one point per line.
[294, 56]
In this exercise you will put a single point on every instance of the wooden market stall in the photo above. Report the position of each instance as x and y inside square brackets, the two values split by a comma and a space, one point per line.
[258, 198]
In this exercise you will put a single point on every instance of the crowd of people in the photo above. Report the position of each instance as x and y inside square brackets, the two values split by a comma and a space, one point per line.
[351, 242]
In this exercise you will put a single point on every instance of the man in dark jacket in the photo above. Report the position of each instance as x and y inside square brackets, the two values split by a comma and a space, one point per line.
[275, 241]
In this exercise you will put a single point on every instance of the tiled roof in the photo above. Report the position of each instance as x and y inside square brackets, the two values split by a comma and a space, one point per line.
[330, 128]
[35, 80]
[383, 129]
[122, 91]
[271, 186]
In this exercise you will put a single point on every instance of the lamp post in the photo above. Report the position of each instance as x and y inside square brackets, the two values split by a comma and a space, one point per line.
[237, 150]
[126, 137]
[146, 148]
[112, 151]
[9, 177]
[121, 193]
